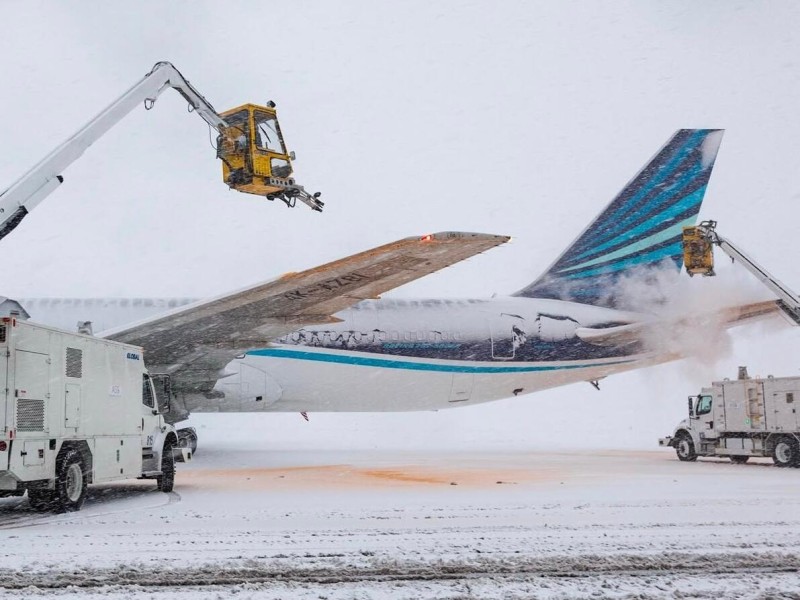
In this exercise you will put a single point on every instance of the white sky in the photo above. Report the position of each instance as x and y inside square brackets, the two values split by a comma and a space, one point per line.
[520, 118]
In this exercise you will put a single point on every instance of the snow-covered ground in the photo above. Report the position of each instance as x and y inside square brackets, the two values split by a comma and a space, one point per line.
[252, 518]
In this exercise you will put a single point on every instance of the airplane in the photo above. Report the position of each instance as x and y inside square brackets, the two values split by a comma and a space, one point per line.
[322, 340]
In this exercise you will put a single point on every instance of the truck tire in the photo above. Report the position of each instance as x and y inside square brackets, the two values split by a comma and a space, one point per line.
[166, 481]
[41, 500]
[72, 482]
[187, 438]
[739, 460]
[785, 452]
[684, 448]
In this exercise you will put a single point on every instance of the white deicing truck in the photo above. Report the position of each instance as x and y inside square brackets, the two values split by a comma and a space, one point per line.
[742, 418]
[76, 410]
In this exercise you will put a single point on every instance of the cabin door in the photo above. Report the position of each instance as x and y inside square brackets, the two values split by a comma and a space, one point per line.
[508, 334]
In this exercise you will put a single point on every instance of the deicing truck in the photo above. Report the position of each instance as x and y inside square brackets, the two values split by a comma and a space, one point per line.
[742, 418]
[77, 410]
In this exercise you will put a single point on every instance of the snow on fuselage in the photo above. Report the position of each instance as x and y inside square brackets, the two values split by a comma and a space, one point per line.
[405, 355]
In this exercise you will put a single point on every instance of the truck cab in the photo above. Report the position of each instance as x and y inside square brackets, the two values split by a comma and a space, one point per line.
[692, 432]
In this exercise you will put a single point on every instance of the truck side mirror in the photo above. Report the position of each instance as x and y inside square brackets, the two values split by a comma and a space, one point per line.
[691, 407]
[163, 386]
[167, 393]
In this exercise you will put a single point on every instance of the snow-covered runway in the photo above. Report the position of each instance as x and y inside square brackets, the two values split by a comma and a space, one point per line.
[351, 524]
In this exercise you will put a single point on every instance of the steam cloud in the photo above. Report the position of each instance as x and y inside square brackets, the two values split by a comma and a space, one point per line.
[688, 313]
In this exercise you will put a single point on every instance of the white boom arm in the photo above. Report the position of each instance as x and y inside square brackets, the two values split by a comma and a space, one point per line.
[35, 185]
[789, 301]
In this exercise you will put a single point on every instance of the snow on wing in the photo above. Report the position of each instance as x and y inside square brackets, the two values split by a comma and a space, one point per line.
[194, 342]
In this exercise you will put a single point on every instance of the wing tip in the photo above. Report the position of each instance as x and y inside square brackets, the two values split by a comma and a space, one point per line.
[442, 236]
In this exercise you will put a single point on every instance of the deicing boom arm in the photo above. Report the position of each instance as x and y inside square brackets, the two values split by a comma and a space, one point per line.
[789, 301]
[35, 185]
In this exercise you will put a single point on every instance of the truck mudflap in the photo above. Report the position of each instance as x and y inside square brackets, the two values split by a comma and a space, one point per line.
[666, 441]
[182, 454]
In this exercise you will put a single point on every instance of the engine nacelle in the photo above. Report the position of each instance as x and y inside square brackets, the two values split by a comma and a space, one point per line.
[247, 388]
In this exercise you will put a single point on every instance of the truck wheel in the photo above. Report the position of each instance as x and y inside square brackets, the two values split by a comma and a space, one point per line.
[684, 448]
[71, 481]
[739, 460]
[166, 481]
[785, 453]
[187, 438]
[41, 500]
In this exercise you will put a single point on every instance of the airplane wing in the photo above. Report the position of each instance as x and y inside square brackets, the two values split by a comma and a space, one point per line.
[650, 332]
[196, 341]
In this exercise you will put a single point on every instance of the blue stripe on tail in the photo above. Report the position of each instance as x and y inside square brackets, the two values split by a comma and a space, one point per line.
[641, 227]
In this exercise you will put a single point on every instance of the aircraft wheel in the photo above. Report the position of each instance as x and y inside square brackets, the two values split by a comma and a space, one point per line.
[785, 452]
[684, 448]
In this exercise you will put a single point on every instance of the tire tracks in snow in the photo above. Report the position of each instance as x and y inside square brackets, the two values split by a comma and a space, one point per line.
[523, 568]
[30, 519]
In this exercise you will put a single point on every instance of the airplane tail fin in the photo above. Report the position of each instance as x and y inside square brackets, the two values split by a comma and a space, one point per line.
[640, 229]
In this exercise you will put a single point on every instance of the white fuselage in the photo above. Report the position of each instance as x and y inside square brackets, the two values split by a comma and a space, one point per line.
[406, 355]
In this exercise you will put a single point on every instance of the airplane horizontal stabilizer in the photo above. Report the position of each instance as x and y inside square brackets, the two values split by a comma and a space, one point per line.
[650, 332]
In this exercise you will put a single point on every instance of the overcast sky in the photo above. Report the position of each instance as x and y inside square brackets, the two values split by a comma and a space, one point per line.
[519, 118]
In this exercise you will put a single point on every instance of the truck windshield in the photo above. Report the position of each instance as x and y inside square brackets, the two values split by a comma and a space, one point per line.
[703, 405]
